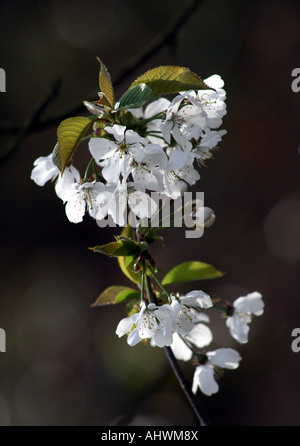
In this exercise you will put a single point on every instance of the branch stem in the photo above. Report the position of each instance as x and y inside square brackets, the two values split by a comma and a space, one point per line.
[184, 383]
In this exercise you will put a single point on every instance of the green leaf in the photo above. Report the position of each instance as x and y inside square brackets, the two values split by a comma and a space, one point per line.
[192, 270]
[135, 97]
[116, 294]
[170, 79]
[116, 249]
[135, 277]
[69, 134]
[127, 296]
[106, 85]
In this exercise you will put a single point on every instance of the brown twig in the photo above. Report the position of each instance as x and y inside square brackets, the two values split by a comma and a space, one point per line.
[168, 38]
[31, 123]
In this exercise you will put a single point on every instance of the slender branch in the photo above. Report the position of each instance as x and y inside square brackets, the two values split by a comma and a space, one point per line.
[167, 38]
[32, 121]
[184, 383]
[159, 284]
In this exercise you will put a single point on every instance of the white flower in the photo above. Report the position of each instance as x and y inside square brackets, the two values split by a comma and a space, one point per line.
[188, 309]
[119, 155]
[200, 336]
[141, 204]
[179, 172]
[148, 174]
[243, 309]
[153, 126]
[93, 196]
[183, 123]
[123, 193]
[65, 181]
[152, 322]
[209, 141]
[44, 170]
[211, 102]
[204, 376]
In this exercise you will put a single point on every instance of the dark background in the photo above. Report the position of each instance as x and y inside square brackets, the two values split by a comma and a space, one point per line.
[64, 364]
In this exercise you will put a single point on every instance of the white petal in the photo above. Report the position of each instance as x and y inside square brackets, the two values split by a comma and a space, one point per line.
[44, 170]
[215, 81]
[117, 131]
[226, 358]
[114, 167]
[75, 208]
[133, 337]
[124, 326]
[200, 335]
[166, 128]
[147, 325]
[238, 329]
[132, 137]
[252, 303]
[181, 351]
[212, 138]
[185, 321]
[204, 379]
[137, 152]
[177, 159]
[180, 139]
[101, 148]
[141, 204]
[65, 181]
[156, 107]
[197, 298]
[155, 157]
[118, 205]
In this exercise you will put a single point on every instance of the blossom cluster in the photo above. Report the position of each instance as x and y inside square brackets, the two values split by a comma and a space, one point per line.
[153, 148]
[181, 324]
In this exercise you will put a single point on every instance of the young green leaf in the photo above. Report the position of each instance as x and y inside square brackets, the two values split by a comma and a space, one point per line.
[69, 134]
[170, 79]
[127, 296]
[135, 277]
[192, 270]
[106, 85]
[114, 295]
[135, 97]
[116, 249]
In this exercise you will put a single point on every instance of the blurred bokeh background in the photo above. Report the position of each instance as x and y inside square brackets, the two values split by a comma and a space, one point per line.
[64, 364]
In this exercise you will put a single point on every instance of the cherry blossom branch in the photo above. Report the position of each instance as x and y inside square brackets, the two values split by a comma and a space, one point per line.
[184, 383]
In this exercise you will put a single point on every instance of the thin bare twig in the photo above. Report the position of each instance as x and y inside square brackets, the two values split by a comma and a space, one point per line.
[31, 122]
[169, 37]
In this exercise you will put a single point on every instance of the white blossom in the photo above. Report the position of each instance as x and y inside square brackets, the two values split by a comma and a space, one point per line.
[153, 125]
[243, 309]
[204, 376]
[188, 309]
[181, 123]
[200, 336]
[152, 322]
[44, 170]
[93, 196]
[66, 180]
[179, 172]
[211, 102]
[120, 154]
